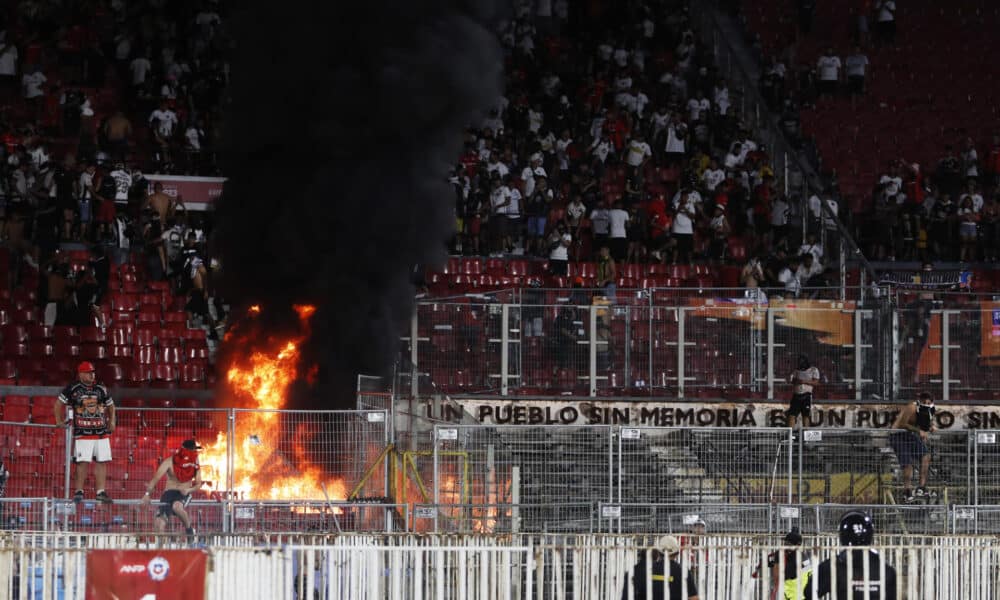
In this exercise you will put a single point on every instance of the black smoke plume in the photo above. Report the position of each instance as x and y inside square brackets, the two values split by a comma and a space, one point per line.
[344, 119]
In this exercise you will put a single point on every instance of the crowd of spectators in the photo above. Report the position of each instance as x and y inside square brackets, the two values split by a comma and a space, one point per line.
[943, 211]
[617, 131]
[95, 94]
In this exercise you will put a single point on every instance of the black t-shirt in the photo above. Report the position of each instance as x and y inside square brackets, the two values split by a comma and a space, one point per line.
[89, 404]
[661, 581]
[791, 565]
[853, 585]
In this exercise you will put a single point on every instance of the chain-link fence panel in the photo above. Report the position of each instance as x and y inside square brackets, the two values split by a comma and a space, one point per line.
[556, 354]
[521, 464]
[919, 348]
[146, 436]
[280, 455]
[986, 471]
[458, 344]
[863, 466]
[724, 348]
[34, 456]
[684, 519]
[132, 516]
[28, 514]
[824, 332]
[703, 465]
[974, 365]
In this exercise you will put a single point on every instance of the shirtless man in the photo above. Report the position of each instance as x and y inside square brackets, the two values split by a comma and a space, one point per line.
[163, 205]
[913, 426]
[183, 477]
[118, 130]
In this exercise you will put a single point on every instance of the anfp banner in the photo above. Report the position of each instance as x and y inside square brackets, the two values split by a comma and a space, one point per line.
[146, 574]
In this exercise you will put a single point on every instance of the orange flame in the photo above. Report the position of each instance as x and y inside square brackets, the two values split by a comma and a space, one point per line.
[262, 470]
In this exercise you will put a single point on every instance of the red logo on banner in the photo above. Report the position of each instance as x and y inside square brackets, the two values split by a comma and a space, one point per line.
[145, 574]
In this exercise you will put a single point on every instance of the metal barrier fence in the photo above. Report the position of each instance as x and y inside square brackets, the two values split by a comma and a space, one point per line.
[490, 464]
[207, 517]
[574, 341]
[592, 345]
[354, 567]
[504, 518]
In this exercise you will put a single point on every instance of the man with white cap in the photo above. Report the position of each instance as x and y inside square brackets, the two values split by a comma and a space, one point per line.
[664, 585]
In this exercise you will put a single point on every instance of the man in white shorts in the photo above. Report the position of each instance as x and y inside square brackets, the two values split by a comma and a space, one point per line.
[93, 420]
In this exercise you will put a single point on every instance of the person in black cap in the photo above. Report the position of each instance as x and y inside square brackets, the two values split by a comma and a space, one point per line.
[183, 478]
[797, 568]
[856, 529]
[804, 378]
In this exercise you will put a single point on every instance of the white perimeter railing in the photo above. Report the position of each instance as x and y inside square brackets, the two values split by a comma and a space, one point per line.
[592, 567]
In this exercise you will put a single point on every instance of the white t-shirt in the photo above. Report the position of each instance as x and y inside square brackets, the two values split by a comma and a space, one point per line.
[660, 121]
[528, 175]
[86, 184]
[576, 210]
[498, 167]
[617, 219]
[712, 178]
[886, 11]
[722, 99]
[514, 208]
[599, 219]
[32, 84]
[815, 249]
[498, 197]
[812, 373]
[535, 120]
[891, 185]
[8, 60]
[123, 183]
[856, 65]
[829, 68]
[675, 143]
[164, 121]
[637, 152]
[602, 149]
[683, 224]
[696, 107]
[561, 251]
[193, 137]
[790, 281]
[140, 67]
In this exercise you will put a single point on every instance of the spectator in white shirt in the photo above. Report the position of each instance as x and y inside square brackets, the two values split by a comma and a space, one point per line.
[601, 148]
[533, 170]
[809, 272]
[734, 158]
[559, 243]
[676, 141]
[139, 68]
[856, 66]
[683, 228]
[495, 167]
[600, 224]
[812, 246]
[828, 68]
[697, 106]
[713, 176]
[636, 155]
[31, 84]
[721, 97]
[970, 159]
[788, 277]
[780, 211]
[617, 230]
[8, 64]
[886, 20]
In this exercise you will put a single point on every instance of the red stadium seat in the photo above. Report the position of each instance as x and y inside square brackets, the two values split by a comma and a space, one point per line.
[144, 355]
[144, 336]
[192, 377]
[92, 335]
[111, 374]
